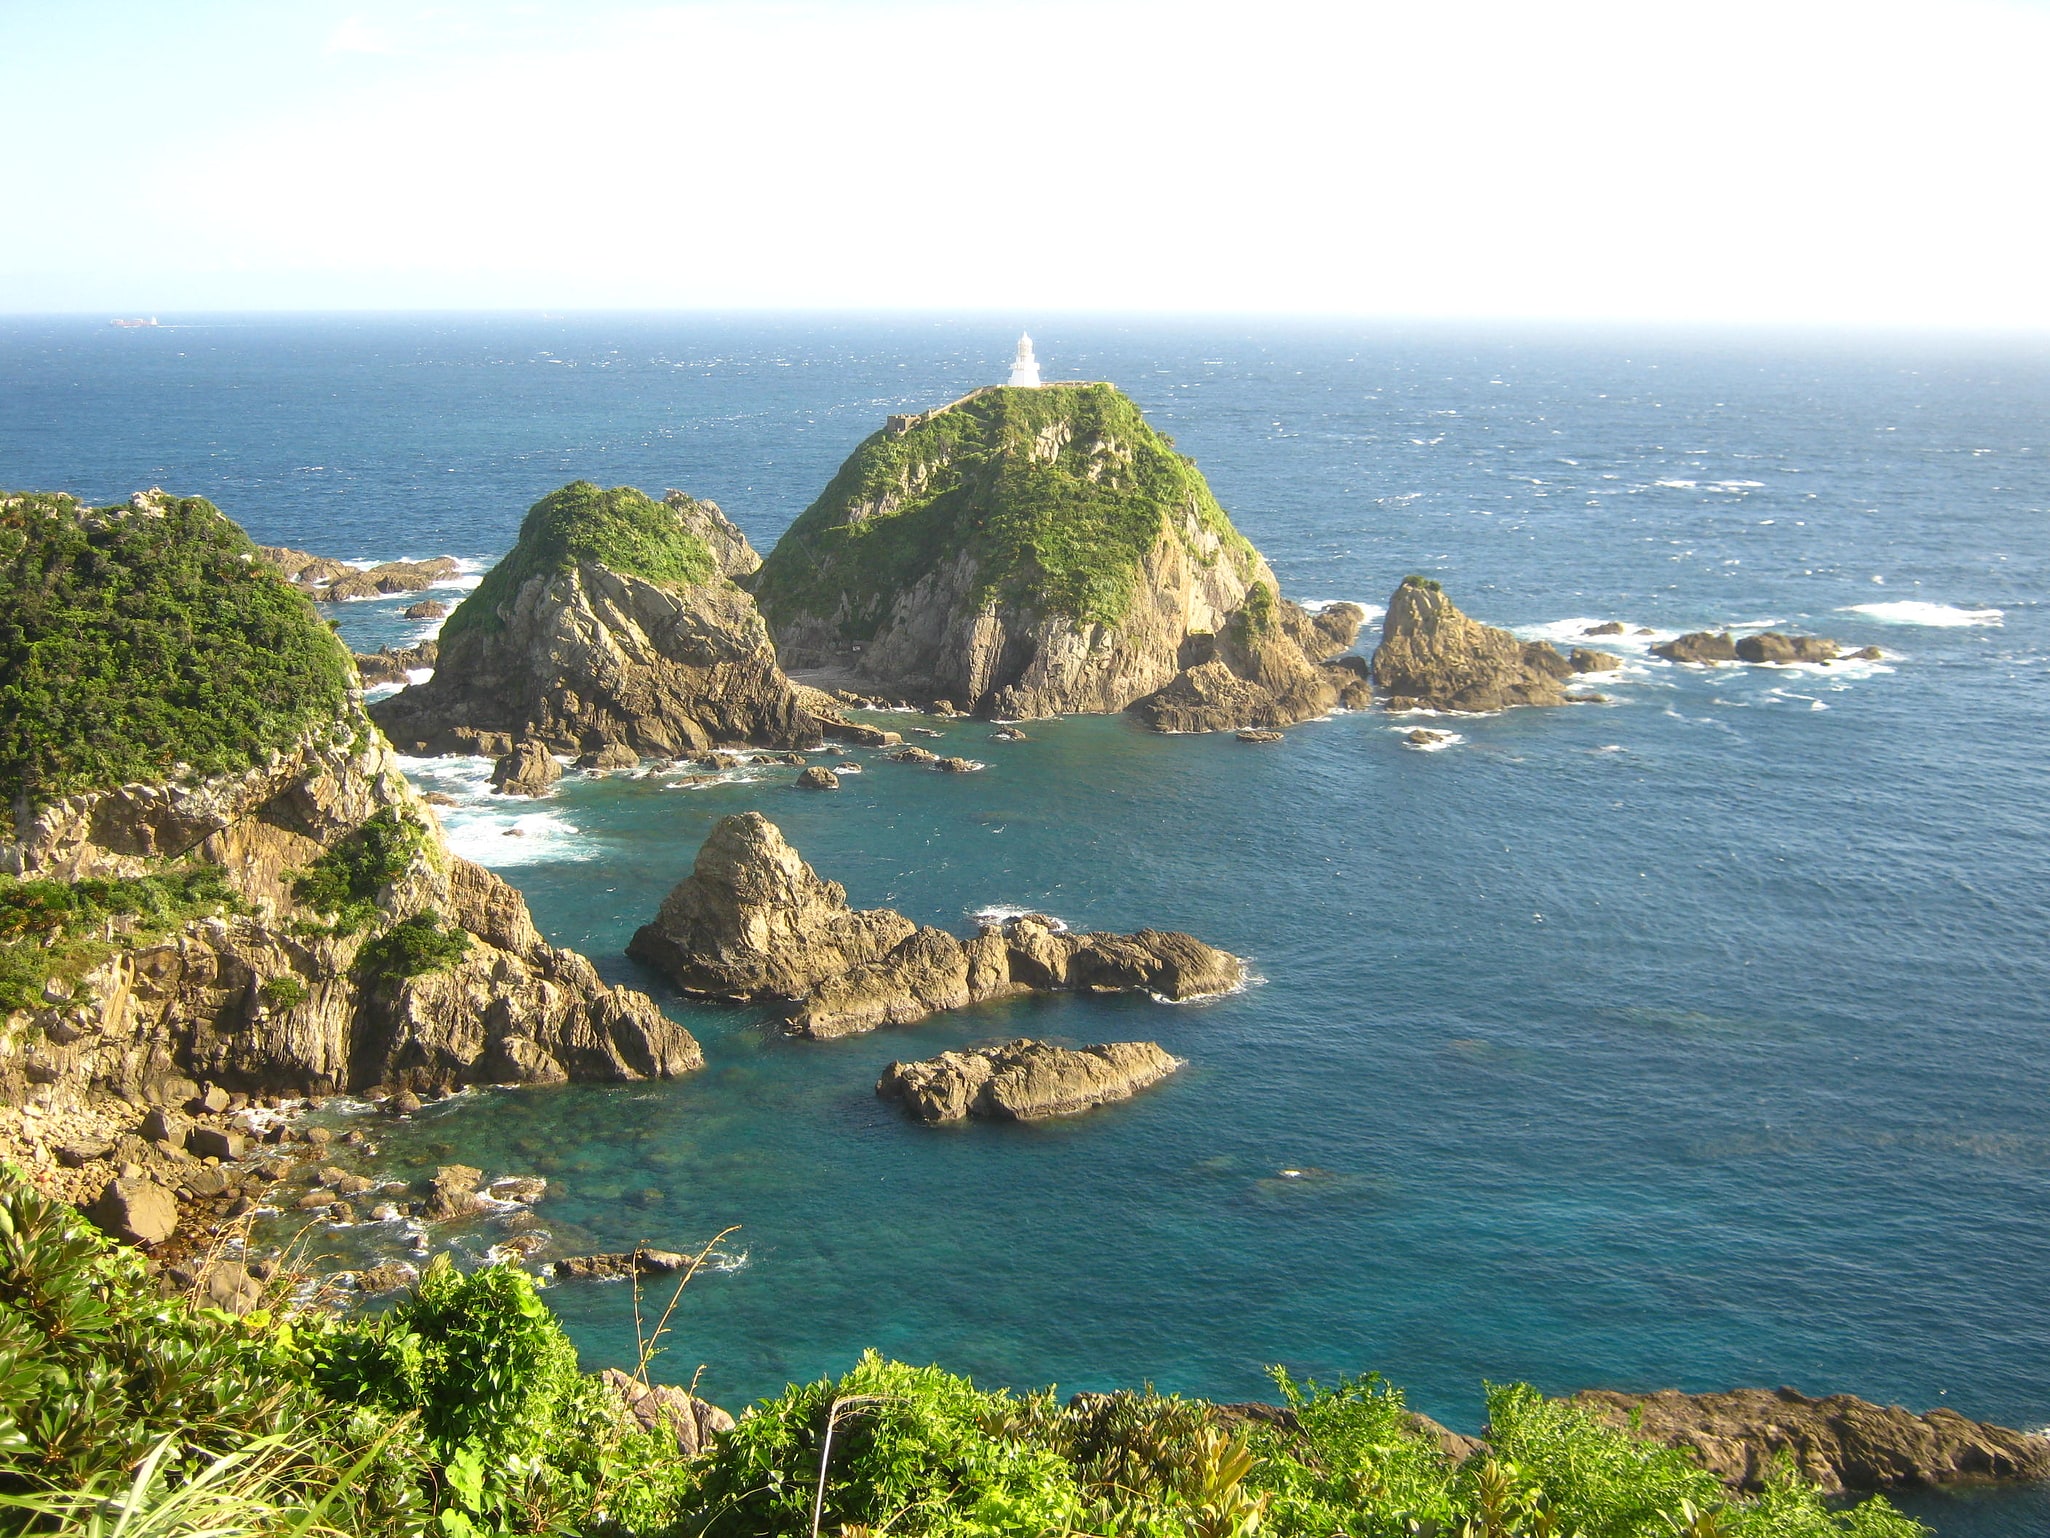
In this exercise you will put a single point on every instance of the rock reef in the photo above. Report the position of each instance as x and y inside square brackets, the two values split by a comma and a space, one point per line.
[754, 922]
[1040, 552]
[1432, 657]
[330, 581]
[613, 622]
[1024, 1080]
[1839, 1442]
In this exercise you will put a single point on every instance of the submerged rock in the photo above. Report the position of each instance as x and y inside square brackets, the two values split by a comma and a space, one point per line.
[1839, 1442]
[613, 620]
[754, 922]
[427, 608]
[1433, 657]
[1024, 1080]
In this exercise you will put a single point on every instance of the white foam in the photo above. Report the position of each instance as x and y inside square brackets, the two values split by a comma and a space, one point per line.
[1001, 913]
[1370, 612]
[1447, 740]
[1913, 611]
[495, 840]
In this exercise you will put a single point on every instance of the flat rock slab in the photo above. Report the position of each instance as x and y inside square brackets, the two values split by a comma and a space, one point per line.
[1024, 1080]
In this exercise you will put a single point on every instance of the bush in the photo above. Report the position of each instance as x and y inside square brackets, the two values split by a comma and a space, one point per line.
[285, 991]
[135, 646]
[62, 928]
[344, 883]
[414, 946]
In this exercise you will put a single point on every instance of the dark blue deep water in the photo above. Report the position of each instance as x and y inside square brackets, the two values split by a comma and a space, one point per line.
[1699, 1039]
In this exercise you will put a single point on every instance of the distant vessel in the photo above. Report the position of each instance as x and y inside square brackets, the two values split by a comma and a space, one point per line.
[130, 325]
[1024, 367]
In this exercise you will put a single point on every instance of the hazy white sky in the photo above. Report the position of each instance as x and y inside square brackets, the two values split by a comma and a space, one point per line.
[1826, 161]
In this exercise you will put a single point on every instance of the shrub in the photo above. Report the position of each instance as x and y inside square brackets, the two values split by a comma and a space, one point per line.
[414, 946]
[63, 929]
[344, 883]
[284, 991]
[141, 645]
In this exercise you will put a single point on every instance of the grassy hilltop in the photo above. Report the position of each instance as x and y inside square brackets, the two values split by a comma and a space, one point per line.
[1057, 493]
[146, 643]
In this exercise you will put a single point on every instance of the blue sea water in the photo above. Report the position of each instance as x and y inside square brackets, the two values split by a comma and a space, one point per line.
[1697, 1039]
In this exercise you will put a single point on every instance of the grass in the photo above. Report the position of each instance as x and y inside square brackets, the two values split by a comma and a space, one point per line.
[148, 646]
[621, 528]
[1058, 494]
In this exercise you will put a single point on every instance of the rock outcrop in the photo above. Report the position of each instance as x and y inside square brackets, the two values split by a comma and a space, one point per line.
[1024, 1080]
[310, 931]
[1771, 646]
[754, 922]
[694, 1422]
[395, 665]
[1705, 646]
[1839, 1442]
[612, 622]
[528, 770]
[1433, 657]
[330, 581]
[1044, 552]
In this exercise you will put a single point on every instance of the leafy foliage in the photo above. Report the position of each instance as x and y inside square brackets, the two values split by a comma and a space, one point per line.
[1057, 494]
[622, 528]
[64, 928]
[136, 645]
[345, 881]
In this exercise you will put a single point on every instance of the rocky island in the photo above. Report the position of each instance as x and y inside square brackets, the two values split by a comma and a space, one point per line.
[1024, 1080]
[613, 623]
[224, 877]
[1432, 657]
[753, 922]
[1044, 551]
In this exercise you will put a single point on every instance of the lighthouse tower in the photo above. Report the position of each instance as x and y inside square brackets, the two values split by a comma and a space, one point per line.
[1025, 367]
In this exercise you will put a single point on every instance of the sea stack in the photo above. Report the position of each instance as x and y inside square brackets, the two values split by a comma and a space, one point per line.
[754, 922]
[1042, 550]
[613, 622]
[1432, 657]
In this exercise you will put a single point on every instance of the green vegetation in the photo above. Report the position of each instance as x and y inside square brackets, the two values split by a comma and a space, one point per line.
[1255, 617]
[413, 946]
[146, 645]
[1058, 494]
[622, 528]
[1428, 584]
[343, 884]
[284, 991]
[462, 1412]
[63, 929]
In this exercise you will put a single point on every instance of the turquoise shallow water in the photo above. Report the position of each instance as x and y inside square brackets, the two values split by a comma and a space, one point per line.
[1696, 1039]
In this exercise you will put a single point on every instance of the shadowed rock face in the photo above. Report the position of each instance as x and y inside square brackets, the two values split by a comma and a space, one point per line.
[1433, 657]
[1024, 1080]
[1839, 1442]
[752, 921]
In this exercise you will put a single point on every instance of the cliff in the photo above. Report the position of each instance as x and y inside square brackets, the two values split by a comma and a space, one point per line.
[214, 870]
[1033, 552]
[613, 622]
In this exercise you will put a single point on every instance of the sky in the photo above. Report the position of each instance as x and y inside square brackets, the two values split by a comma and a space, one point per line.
[1862, 163]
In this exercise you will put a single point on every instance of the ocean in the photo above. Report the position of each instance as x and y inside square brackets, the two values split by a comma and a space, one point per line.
[1695, 1039]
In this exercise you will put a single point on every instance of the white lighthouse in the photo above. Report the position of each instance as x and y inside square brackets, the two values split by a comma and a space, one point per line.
[1024, 367]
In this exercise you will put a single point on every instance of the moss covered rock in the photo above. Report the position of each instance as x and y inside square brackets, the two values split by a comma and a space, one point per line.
[1026, 552]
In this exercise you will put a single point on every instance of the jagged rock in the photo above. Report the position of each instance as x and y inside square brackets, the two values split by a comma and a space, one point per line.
[753, 921]
[427, 608]
[1024, 1080]
[613, 755]
[610, 621]
[1007, 734]
[1839, 1442]
[524, 1189]
[388, 1276]
[228, 1286]
[1699, 646]
[390, 577]
[818, 777]
[1771, 646]
[1434, 657]
[528, 770]
[1608, 627]
[452, 1193]
[304, 570]
[212, 1100]
[730, 550]
[1586, 660]
[161, 1125]
[914, 756]
[1025, 553]
[692, 1421]
[404, 1103]
[1263, 674]
[136, 1209]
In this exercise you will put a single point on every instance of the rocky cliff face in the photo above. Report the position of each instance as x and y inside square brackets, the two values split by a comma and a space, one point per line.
[613, 622]
[278, 997]
[754, 922]
[1041, 552]
[1433, 657]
